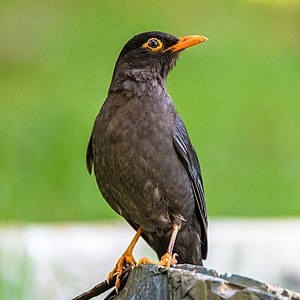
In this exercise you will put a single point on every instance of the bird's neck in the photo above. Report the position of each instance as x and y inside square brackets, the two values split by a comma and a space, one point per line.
[139, 82]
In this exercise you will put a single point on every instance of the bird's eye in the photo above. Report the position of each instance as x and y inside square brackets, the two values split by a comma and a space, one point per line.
[153, 45]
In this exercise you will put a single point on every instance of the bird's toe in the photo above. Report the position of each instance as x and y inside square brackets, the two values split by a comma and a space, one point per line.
[144, 260]
[126, 259]
[168, 259]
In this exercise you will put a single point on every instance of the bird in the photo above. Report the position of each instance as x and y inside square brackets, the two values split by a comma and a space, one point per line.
[144, 162]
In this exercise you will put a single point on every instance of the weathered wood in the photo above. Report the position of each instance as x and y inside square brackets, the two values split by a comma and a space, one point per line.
[195, 282]
[187, 282]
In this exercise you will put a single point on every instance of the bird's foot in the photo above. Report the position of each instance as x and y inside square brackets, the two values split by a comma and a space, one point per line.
[125, 259]
[167, 260]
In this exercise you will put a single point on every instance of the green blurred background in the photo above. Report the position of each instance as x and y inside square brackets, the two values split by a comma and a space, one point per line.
[238, 95]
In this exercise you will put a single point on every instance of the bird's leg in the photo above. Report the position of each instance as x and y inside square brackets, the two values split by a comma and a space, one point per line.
[126, 258]
[169, 258]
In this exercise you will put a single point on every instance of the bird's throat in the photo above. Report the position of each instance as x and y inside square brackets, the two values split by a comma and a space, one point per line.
[139, 82]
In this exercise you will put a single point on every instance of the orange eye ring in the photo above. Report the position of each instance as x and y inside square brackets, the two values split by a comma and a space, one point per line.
[153, 44]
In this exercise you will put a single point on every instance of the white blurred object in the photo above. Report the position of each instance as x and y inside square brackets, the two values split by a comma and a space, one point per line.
[266, 250]
[61, 261]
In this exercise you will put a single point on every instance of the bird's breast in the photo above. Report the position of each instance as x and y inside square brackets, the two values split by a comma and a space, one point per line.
[141, 119]
[139, 137]
[137, 164]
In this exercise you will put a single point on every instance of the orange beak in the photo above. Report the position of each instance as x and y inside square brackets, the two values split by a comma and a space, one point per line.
[187, 41]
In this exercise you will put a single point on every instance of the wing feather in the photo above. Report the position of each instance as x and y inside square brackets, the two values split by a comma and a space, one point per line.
[89, 156]
[188, 156]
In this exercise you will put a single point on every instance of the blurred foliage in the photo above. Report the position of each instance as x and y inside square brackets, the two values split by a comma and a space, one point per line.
[238, 95]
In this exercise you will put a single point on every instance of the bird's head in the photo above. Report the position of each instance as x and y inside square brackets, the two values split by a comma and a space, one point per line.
[152, 54]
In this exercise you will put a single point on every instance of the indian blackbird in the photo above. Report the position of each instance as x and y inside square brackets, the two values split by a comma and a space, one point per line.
[145, 165]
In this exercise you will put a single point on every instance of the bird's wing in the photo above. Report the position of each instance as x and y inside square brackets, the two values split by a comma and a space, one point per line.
[89, 158]
[188, 156]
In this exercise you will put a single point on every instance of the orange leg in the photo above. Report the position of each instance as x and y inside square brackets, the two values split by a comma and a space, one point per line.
[168, 258]
[126, 258]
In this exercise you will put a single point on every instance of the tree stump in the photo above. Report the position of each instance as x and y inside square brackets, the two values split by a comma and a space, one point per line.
[195, 282]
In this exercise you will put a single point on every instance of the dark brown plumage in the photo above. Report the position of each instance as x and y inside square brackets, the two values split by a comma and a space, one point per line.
[145, 165]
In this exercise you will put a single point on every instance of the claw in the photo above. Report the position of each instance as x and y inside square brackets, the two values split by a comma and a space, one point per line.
[126, 258]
